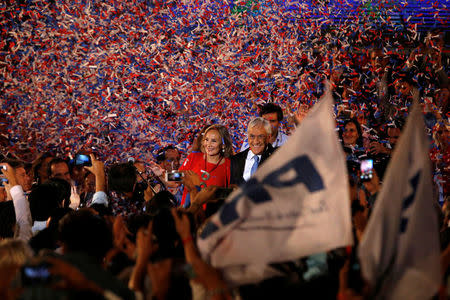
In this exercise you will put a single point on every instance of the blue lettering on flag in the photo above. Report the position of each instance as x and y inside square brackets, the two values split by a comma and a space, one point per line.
[208, 230]
[229, 213]
[255, 191]
[308, 175]
[408, 201]
[305, 173]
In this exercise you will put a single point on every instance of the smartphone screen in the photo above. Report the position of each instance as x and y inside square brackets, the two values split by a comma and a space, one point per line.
[3, 180]
[83, 160]
[174, 176]
[366, 169]
[38, 274]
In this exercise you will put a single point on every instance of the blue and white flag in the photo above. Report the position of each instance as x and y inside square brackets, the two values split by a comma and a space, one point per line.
[399, 251]
[296, 204]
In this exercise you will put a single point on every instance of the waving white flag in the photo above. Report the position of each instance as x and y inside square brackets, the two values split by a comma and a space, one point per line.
[399, 252]
[296, 204]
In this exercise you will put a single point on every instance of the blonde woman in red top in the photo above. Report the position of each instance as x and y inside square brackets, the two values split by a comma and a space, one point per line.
[212, 164]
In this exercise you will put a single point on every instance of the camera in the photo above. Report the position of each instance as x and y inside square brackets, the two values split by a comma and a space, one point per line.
[174, 176]
[83, 160]
[35, 274]
[366, 170]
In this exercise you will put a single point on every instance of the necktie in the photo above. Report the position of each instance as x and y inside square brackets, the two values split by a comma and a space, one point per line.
[255, 165]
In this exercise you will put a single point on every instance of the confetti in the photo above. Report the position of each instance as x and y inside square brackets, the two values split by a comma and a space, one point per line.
[131, 77]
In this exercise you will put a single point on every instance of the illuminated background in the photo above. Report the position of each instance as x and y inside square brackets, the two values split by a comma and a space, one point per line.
[129, 77]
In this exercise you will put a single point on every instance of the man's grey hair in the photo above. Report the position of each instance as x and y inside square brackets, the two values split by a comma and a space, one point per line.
[259, 121]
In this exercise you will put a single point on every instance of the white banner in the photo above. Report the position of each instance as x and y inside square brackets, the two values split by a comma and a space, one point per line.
[399, 252]
[296, 204]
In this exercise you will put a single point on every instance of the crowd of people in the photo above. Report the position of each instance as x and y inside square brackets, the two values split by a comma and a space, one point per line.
[73, 227]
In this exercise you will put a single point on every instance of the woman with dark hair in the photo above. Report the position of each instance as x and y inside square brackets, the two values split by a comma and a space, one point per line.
[212, 164]
[352, 140]
[40, 168]
[352, 136]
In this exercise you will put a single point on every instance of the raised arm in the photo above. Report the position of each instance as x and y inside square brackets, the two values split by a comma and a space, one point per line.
[98, 169]
[21, 206]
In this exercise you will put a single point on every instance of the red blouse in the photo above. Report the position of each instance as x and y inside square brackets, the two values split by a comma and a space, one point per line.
[219, 174]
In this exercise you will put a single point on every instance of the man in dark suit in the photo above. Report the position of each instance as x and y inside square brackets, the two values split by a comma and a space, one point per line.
[245, 163]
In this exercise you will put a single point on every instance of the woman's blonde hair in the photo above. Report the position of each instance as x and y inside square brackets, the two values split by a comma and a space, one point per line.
[14, 252]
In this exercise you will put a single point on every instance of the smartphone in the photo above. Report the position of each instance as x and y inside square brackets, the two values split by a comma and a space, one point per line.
[3, 179]
[366, 170]
[83, 160]
[223, 193]
[174, 176]
[35, 274]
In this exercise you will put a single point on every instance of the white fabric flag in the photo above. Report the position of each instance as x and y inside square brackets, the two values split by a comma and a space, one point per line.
[399, 252]
[296, 204]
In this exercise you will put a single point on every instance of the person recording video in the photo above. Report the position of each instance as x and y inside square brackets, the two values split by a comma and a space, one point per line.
[127, 193]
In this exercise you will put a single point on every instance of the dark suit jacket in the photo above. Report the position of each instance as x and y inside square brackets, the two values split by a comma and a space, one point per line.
[238, 164]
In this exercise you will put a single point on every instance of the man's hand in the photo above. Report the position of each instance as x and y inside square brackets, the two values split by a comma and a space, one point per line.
[206, 195]
[377, 148]
[98, 169]
[191, 179]
[156, 169]
[121, 241]
[373, 186]
[144, 249]
[8, 191]
[144, 243]
[182, 225]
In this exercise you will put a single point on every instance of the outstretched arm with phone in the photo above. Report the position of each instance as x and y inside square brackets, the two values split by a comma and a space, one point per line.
[21, 206]
[98, 169]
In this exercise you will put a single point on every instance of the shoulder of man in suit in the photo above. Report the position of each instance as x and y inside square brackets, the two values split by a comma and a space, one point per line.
[239, 154]
[270, 148]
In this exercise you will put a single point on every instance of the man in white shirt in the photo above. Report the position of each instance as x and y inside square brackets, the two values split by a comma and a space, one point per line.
[274, 114]
[21, 207]
[245, 163]
[21, 175]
